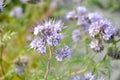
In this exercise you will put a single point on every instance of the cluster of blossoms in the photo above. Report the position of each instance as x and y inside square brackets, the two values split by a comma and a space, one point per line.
[63, 52]
[49, 33]
[96, 45]
[16, 12]
[101, 30]
[95, 25]
[79, 11]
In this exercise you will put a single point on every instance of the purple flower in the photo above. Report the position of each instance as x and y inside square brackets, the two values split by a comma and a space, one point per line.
[96, 45]
[39, 45]
[78, 11]
[81, 10]
[76, 35]
[109, 32]
[16, 11]
[24, 1]
[54, 39]
[93, 17]
[98, 27]
[89, 76]
[47, 33]
[63, 52]
[82, 21]
[1, 5]
[102, 28]
[76, 77]
[71, 14]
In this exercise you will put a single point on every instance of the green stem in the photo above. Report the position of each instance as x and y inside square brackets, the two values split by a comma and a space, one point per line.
[93, 56]
[1, 54]
[105, 56]
[79, 71]
[48, 64]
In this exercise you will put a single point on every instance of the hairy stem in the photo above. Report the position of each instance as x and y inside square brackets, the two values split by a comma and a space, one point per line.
[48, 64]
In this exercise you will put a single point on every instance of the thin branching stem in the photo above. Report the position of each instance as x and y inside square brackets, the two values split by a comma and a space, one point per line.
[48, 64]
[78, 72]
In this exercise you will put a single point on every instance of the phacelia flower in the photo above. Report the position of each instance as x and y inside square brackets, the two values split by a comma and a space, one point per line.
[16, 12]
[47, 33]
[93, 17]
[81, 21]
[71, 14]
[102, 28]
[97, 28]
[81, 10]
[76, 35]
[89, 76]
[39, 45]
[62, 53]
[96, 45]
[109, 32]
[78, 11]
[1, 5]
[76, 77]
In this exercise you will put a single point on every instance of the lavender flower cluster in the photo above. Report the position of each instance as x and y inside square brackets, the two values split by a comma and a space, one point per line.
[95, 25]
[49, 33]
[63, 52]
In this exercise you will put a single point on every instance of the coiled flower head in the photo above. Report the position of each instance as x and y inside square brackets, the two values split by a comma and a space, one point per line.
[47, 33]
[93, 17]
[102, 28]
[96, 45]
[63, 52]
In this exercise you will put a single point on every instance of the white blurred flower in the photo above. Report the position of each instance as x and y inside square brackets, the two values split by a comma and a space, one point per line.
[1, 5]
[16, 12]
